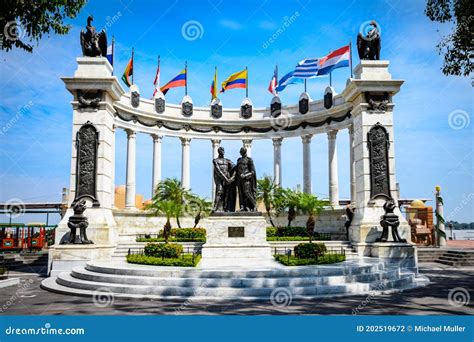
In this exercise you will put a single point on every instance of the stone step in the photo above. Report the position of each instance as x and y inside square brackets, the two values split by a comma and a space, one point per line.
[67, 280]
[81, 273]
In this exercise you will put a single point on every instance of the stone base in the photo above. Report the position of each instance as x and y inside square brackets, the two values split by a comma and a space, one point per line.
[65, 257]
[236, 241]
[402, 255]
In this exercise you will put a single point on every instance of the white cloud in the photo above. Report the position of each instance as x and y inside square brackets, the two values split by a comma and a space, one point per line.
[230, 24]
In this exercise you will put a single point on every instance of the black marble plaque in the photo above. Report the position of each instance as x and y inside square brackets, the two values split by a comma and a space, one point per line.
[236, 231]
[87, 143]
[378, 143]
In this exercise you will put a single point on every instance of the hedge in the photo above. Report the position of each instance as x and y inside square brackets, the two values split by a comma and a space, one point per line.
[325, 259]
[186, 260]
[295, 238]
[163, 250]
[160, 239]
[309, 250]
[178, 235]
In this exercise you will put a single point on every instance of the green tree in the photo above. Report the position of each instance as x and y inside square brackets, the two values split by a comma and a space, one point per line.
[167, 208]
[171, 189]
[312, 206]
[24, 22]
[199, 207]
[457, 47]
[265, 192]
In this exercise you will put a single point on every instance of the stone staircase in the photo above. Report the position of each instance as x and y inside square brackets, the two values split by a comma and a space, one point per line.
[450, 257]
[121, 250]
[119, 279]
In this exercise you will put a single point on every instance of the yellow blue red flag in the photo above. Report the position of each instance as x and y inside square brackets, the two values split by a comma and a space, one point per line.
[237, 80]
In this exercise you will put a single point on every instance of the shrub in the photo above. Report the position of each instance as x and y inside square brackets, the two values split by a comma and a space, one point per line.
[294, 261]
[271, 231]
[189, 234]
[163, 250]
[3, 270]
[309, 250]
[186, 260]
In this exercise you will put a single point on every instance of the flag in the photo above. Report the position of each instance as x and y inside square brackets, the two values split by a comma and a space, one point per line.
[178, 81]
[286, 80]
[156, 82]
[128, 72]
[274, 83]
[237, 80]
[336, 59]
[110, 53]
[214, 86]
[307, 68]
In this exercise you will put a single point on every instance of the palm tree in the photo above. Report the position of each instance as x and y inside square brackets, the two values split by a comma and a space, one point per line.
[199, 207]
[265, 192]
[312, 206]
[171, 189]
[167, 208]
[292, 199]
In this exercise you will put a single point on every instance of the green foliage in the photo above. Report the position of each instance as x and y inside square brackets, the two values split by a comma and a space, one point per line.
[171, 239]
[325, 259]
[457, 46]
[321, 237]
[186, 260]
[309, 250]
[198, 206]
[265, 192]
[311, 205]
[163, 250]
[25, 22]
[188, 233]
[3, 270]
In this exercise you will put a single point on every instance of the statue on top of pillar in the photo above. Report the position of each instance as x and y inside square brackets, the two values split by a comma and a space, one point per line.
[93, 43]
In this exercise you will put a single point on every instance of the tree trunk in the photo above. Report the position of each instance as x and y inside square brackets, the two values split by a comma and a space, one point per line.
[177, 222]
[197, 219]
[167, 230]
[270, 217]
[291, 215]
[310, 223]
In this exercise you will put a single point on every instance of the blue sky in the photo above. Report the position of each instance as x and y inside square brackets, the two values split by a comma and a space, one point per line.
[433, 132]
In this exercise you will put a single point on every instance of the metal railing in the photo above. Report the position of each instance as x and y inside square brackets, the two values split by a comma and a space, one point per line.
[289, 251]
[187, 250]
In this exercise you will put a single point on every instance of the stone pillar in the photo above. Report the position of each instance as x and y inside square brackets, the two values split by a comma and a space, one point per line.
[441, 233]
[112, 171]
[307, 163]
[185, 167]
[247, 143]
[277, 160]
[156, 175]
[333, 174]
[351, 162]
[370, 92]
[215, 145]
[130, 189]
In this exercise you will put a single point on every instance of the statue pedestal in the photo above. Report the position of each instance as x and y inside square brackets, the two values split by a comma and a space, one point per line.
[403, 255]
[236, 240]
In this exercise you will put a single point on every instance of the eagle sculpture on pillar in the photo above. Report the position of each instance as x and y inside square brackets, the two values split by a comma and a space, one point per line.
[368, 46]
[94, 44]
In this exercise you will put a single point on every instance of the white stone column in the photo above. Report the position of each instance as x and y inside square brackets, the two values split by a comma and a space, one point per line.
[156, 175]
[130, 189]
[247, 143]
[333, 174]
[307, 162]
[216, 143]
[277, 160]
[185, 167]
[112, 171]
[351, 162]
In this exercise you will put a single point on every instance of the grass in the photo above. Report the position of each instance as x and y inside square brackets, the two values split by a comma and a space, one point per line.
[186, 260]
[294, 261]
[171, 239]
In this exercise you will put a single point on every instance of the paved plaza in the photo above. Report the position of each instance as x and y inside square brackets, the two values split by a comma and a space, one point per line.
[29, 299]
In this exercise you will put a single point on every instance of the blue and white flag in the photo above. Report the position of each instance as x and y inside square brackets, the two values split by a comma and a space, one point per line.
[110, 54]
[307, 68]
[286, 80]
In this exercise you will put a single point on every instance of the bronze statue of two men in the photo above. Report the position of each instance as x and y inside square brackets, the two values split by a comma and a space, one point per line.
[229, 178]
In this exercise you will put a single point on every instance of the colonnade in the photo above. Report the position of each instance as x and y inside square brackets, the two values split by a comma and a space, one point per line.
[333, 184]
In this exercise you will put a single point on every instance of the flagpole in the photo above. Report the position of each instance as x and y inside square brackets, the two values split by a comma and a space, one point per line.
[350, 55]
[113, 54]
[276, 79]
[132, 67]
[330, 78]
[247, 84]
[305, 85]
[186, 83]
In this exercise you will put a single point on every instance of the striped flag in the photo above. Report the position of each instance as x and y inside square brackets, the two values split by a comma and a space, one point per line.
[178, 81]
[128, 72]
[274, 83]
[336, 59]
[214, 89]
[286, 80]
[307, 68]
[237, 80]
[156, 82]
